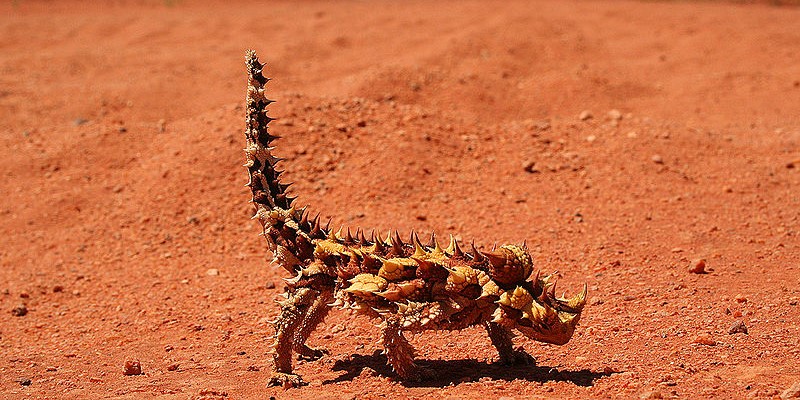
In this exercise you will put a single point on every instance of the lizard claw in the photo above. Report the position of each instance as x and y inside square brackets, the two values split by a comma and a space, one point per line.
[285, 380]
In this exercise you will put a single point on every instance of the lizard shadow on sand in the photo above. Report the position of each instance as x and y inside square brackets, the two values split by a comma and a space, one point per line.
[446, 372]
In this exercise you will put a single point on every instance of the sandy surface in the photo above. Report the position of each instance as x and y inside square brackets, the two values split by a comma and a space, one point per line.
[125, 223]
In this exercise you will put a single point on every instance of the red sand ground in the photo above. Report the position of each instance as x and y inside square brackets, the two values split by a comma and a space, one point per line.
[125, 220]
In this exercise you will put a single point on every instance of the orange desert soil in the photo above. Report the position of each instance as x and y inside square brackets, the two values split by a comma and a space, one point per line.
[625, 141]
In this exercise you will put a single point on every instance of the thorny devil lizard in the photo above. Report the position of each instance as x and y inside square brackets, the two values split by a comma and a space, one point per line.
[409, 286]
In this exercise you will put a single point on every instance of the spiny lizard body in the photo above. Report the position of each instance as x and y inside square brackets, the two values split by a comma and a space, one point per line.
[409, 286]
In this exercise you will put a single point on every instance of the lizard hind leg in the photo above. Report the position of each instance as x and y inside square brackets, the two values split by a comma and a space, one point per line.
[293, 311]
[501, 339]
[316, 314]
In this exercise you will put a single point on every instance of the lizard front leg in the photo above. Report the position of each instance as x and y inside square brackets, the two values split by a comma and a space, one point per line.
[293, 311]
[399, 352]
[501, 339]
[316, 314]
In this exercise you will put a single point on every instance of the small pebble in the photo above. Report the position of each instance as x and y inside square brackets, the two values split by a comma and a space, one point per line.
[132, 367]
[652, 395]
[657, 159]
[585, 115]
[270, 285]
[698, 266]
[58, 289]
[740, 298]
[19, 311]
[738, 327]
[172, 367]
[615, 115]
[530, 167]
[705, 340]
[24, 381]
[212, 272]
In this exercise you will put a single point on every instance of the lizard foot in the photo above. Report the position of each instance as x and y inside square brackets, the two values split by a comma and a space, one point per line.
[285, 380]
[517, 357]
[310, 354]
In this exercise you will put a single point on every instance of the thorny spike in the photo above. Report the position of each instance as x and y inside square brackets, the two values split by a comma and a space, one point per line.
[361, 237]
[349, 237]
[397, 244]
[476, 255]
[372, 236]
[418, 250]
[456, 248]
[328, 224]
[433, 243]
[339, 232]
[494, 246]
[303, 217]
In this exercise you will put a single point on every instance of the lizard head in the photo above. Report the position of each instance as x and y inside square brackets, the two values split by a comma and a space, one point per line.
[530, 304]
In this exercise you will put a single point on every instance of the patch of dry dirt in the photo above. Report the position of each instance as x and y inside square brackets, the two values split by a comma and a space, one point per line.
[623, 140]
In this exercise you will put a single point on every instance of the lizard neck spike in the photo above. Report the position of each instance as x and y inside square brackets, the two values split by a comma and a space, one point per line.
[477, 256]
[349, 237]
[454, 248]
[496, 258]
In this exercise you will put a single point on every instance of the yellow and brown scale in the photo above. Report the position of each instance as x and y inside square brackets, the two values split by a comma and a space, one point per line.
[407, 285]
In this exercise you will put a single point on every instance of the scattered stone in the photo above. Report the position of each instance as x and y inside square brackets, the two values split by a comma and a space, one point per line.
[51, 369]
[530, 167]
[705, 340]
[270, 285]
[19, 311]
[132, 367]
[740, 298]
[657, 159]
[542, 125]
[792, 164]
[79, 121]
[651, 395]
[738, 327]
[615, 115]
[212, 272]
[793, 392]
[58, 289]
[122, 129]
[24, 295]
[173, 367]
[24, 381]
[585, 115]
[591, 138]
[698, 266]
[162, 125]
